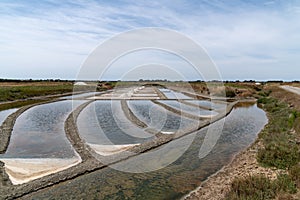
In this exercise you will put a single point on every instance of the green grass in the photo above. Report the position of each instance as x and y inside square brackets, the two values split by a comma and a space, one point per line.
[264, 93]
[10, 93]
[285, 184]
[19, 104]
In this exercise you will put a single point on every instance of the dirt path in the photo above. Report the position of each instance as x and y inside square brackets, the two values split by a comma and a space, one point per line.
[292, 89]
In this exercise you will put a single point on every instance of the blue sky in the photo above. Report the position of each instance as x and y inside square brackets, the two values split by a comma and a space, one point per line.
[258, 39]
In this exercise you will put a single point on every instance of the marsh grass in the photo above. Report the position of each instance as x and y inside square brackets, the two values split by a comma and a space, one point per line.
[19, 104]
[10, 93]
[260, 187]
[295, 174]
[280, 147]
[251, 188]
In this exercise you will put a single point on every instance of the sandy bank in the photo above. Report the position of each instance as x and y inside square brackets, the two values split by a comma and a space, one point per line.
[24, 170]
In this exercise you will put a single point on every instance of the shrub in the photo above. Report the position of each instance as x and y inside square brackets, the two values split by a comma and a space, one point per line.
[285, 183]
[260, 187]
[279, 153]
[230, 93]
[251, 188]
[295, 174]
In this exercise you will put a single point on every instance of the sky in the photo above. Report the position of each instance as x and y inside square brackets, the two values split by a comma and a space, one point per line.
[254, 39]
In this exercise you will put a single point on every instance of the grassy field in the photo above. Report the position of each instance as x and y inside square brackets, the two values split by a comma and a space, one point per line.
[17, 91]
[18, 94]
[281, 150]
[18, 104]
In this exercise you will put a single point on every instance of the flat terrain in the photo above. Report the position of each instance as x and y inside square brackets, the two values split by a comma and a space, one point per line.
[260, 162]
[11, 91]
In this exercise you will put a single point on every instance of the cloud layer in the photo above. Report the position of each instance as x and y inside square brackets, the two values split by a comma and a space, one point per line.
[50, 39]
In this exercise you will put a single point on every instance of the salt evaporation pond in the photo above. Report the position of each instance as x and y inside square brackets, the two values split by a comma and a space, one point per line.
[188, 109]
[240, 130]
[39, 132]
[104, 123]
[38, 144]
[159, 118]
[170, 94]
[5, 113]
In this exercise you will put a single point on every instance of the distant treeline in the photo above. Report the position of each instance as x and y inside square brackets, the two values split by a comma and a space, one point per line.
[141, 80]
[34, 80]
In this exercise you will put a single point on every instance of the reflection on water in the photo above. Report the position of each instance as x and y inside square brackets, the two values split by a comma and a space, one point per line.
[240, 129]
[188, 109]
[103, 122]
[159, 118]
[39, 132]
[170, 94]
[5, 113]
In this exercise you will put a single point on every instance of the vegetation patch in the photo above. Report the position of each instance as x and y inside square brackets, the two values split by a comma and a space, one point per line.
[280, 144]
[260, 187]
[18, 104]
[295, 174]
[11, 93]
[280, 150]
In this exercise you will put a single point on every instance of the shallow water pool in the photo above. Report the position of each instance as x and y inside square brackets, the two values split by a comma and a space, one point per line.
[39, 132]
[104, 123]
[159, 118]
